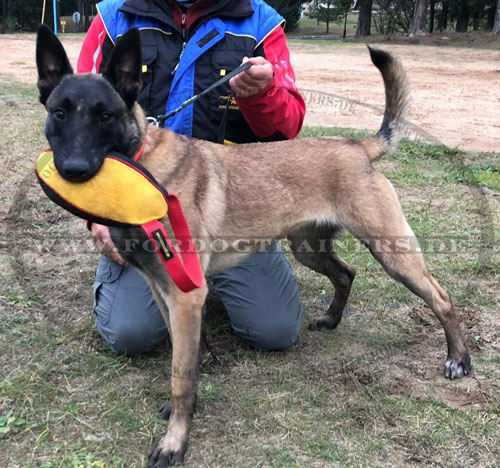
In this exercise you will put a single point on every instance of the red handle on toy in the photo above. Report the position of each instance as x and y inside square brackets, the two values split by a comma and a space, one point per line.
[186, 271]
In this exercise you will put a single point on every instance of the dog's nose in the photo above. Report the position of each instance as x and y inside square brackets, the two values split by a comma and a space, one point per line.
[76, 170]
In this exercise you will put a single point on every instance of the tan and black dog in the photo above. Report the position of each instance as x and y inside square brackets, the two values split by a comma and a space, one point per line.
[304, 190]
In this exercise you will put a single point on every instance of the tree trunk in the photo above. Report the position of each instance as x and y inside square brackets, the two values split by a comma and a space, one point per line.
[86, 13]
[327, 17]
[345, 23]
[423, 18]
[365, 18]
[432, 16]
[490, 18]
[419, 15]
[496, 22]
[443, 17]
[463, 16]
[476, 16]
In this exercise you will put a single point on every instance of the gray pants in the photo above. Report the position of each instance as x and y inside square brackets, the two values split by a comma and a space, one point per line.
[260, 295]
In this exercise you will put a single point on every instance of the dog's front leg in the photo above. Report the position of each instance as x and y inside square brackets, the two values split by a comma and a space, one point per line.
[185, 313]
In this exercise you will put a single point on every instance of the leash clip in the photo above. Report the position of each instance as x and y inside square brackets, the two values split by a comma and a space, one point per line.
[153, 121]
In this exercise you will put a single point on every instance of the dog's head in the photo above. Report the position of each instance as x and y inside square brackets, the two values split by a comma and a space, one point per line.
[89, 115]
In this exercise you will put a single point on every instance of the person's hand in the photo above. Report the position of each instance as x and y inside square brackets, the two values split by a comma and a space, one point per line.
[252, 81]
[103, 242]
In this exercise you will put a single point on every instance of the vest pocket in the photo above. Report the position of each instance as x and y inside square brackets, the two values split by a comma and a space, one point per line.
[149, 56]
[224, 62]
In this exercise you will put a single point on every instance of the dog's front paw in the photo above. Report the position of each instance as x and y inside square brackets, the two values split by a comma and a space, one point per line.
[324, 322]
[457, 368]
[163, 456]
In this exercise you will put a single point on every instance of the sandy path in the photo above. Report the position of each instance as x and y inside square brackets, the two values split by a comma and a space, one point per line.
[456, 91]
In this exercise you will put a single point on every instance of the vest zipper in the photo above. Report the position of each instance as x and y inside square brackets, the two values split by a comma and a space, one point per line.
[184, 33]
[183, 25]
[179, 61]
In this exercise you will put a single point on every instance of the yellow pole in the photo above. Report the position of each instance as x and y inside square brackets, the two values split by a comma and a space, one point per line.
[43, 10]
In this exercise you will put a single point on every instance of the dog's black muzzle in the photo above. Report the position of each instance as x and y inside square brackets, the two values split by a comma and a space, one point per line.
[76, 171]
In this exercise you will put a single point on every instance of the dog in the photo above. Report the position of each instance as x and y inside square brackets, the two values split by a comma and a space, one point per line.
[304, 190]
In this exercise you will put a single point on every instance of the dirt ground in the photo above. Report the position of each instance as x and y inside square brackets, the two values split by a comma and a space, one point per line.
[456, 91]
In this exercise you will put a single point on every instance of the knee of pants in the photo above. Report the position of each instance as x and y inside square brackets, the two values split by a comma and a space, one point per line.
[262, 300]
[277, 333]
[129, 339]
[126, 315]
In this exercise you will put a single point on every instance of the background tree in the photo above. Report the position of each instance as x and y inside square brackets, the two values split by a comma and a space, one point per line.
[323, 12]
[289, 9]
[463, 10]
[496, 23]
[330, 11]
[443, 16]
[25, 15]
[21, 14]
[432, 19]
[418, 22]
[363, 27]
[432, 5]
[394, 16]
[345, 7]
[491, 9]
[423, 18]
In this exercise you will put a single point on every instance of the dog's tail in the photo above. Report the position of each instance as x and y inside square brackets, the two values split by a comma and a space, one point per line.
[396, 105]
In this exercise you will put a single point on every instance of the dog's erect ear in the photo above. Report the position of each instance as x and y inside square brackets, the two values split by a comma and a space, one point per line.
[51, 61]
[123, 70]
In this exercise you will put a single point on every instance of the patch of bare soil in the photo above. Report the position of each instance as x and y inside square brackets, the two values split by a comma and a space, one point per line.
[410, 375]
[456, 90]
[17, 60]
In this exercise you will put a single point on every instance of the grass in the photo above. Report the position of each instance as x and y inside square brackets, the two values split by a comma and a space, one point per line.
[369, 394]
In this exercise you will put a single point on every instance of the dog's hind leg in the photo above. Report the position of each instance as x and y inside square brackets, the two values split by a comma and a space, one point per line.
[312, 245]
[375, 217]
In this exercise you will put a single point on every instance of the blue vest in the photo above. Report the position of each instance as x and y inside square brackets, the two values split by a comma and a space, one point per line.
[255, 28]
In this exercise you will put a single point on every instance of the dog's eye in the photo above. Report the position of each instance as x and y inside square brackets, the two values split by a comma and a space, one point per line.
[59, 114]
[106, 117]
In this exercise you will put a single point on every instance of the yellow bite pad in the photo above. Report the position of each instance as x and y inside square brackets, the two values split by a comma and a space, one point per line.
[122, 192]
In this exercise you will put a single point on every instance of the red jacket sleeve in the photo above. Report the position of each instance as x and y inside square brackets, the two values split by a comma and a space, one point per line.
[90, 58]
[280, 107]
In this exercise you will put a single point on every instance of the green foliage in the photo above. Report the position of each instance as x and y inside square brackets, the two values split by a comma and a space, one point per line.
[393, 16]
[10, 24]
[10, 423]
[478, 176]
[289, 9]
[459, 15]
[330, 11]
[25, 15]
[80, 460]
[20, 14]
[472, 14]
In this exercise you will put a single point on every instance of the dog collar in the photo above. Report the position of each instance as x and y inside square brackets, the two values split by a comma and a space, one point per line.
[124, 193]
[141, 150]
